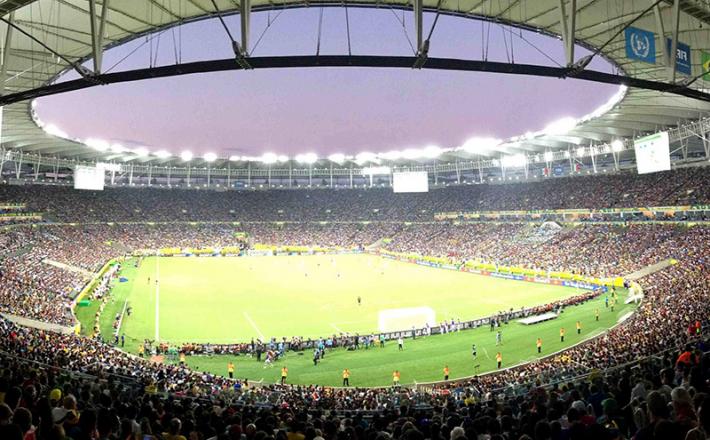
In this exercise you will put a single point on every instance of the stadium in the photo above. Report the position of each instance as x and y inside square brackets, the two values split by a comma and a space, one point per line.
[551, 284]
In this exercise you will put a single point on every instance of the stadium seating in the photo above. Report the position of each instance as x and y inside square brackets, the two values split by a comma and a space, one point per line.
[646, 378]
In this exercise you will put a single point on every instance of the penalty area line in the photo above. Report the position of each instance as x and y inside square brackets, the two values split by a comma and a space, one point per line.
[253, 325]
[337, 329]
[486, 353]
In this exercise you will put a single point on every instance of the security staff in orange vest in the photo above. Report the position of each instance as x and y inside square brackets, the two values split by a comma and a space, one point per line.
[395, 378]
[284, 375]
[230, 370]
[579, 328]
[562, 334]
[346, 377]
[446, 372]
[499, 359]
[539, 345]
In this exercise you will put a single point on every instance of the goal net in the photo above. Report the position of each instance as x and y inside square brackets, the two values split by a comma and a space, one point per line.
[392, 320]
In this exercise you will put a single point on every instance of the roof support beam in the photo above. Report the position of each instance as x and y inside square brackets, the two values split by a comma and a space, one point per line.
[661, 32]
[419, 23]
[6, 53]
[245, 16]
[97, 33]
[675, 18]
[568, 20]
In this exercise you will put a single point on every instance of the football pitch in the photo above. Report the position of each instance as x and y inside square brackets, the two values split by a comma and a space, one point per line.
[234, 299]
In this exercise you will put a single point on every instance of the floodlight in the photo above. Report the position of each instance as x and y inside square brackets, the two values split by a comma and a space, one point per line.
[269, 158]
[235, 158]
[97, 144]
[431, 151]
[617, 145]
[581, 151]
[308, 158]
[186, 156]
[337, 158]
[549, 156]
[53, 130]
[479, 145]
[141, 151]
[367, 171]
[118, 148]
[162, 154]
[364, 157]
[391, 155]
[210, 157]
[282, 158]
[561, 126]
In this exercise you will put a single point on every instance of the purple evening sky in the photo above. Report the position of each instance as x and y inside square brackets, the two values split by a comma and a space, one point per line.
[326, 110]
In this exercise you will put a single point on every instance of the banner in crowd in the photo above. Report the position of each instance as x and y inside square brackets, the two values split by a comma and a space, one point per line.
[570, 212]
[5, 206]
[640, 45]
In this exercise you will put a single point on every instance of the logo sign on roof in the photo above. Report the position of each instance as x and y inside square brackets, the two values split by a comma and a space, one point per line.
[640, 45]
[682, 58]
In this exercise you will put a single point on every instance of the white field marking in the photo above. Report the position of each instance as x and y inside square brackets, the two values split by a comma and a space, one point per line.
[337, 329]
[253, 325]
[486, 353]
[157, 299]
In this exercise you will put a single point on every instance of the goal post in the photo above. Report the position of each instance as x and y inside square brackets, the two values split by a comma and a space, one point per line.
[392, 320]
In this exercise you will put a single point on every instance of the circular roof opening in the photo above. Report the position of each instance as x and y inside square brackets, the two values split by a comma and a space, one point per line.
[325, 110]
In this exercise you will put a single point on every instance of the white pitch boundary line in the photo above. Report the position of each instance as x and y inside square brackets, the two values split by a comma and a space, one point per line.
[157, 299]
[486, 353]
[337, 329]
[253, 324]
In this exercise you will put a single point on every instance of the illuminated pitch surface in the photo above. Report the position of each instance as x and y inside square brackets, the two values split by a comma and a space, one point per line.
[221, 300]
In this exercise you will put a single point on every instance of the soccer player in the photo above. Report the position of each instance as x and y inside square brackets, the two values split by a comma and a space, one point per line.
[579, 328]
[499, 359]
[474, 352]
[400, 343]
[284, 375]
[613, 303]
[359, 300]
[230, 369]
[395, 378]
[538, 343]
[182, 359]
[446, 372]
[562, 334]
[382, 341]
[499, 338]
[346, 377]
[596, 314]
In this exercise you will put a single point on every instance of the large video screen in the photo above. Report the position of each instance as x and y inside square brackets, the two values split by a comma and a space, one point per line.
[90, 178]
[653, 153]
[410, 181]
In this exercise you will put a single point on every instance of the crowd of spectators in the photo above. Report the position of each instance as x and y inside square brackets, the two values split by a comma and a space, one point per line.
[646, 378]
[684, 186]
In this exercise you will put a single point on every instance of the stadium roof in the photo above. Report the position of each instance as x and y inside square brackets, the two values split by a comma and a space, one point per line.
[48, 37]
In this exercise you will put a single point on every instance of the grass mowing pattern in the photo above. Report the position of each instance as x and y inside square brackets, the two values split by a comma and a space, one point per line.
[233, 299]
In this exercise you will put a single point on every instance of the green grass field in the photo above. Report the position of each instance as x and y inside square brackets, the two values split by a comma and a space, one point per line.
[221, 300]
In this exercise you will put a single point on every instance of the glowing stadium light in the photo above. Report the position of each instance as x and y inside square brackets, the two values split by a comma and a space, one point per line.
[234, 158]
[567, 154]
[480, 145]
[97, 144]
[411, 153]
[308, 158]
[581, 152]
[374, 171]
[162, 154]
[269, 158]
[548, 156]
[337, 158]
[210, 157]
[391, 155]
[431, 152]
[186, 156]
[617, 145]
[53, 130]
[514, 161]
[365, 157]
[282, 158]
[141, 151]
[561, 126]
[118, 148]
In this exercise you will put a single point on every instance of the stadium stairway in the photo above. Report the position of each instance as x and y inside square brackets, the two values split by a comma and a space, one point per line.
[648, 270]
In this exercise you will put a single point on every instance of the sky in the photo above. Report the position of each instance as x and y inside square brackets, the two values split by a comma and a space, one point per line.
[325, 110]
